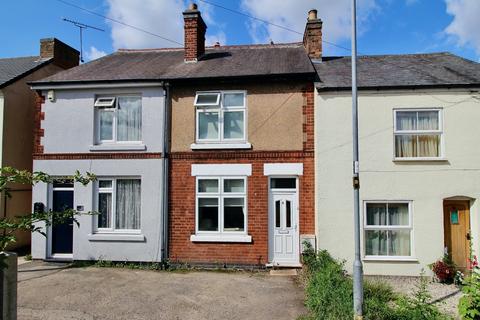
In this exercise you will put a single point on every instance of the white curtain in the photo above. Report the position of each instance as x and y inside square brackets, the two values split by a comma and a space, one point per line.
[129, 119]
[128, 204]
[399, 242]
[415, 145]
[106, 123]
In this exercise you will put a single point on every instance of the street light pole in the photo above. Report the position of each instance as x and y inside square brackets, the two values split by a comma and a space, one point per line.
[357, 264]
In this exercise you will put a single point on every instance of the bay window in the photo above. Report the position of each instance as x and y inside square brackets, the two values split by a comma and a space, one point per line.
[119, 119]
[119, 204]
[388, 229]
[418, 133]
[221, 117]
[221, 205]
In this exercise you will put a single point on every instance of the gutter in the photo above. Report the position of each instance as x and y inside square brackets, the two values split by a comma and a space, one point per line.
[400, 87]
[165, 172]
[94, 85]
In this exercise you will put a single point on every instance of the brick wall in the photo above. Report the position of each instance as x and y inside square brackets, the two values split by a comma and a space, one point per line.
[194, 41]
[182, 207]
[38, 132]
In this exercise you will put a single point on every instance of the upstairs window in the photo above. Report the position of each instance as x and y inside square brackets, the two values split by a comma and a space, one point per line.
[418, 134]
[220, 116]
[119, 119]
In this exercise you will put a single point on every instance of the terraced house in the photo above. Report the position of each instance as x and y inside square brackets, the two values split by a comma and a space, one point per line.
[204, 155]
[236, 155]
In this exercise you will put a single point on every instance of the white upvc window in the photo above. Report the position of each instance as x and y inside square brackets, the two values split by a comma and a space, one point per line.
[118, 204]
[221, 205]
[388, 231]
[418, 134]
[118, 119]
[221, 117]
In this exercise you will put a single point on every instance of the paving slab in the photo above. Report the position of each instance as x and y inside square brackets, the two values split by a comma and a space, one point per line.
[58, 292]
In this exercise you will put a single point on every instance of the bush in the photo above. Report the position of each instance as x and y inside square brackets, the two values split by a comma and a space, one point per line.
[444, 269]
[329, 294]
[469, 305]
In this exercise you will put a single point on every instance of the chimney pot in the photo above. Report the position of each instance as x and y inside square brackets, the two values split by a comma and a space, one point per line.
[312, 14]
[193, 6]
[217, 44]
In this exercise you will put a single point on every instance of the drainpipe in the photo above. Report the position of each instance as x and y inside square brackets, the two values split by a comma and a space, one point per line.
[165, 175]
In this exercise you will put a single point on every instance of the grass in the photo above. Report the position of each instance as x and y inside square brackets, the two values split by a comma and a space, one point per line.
[329, 294]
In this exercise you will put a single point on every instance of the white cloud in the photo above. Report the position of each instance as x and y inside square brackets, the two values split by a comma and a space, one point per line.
[336, 16]
[464, 28]
[162, 17]
[94, 53]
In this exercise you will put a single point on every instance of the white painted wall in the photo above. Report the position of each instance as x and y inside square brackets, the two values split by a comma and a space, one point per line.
[70, 122]
[69, 126]
[424, 183]
[117, 248]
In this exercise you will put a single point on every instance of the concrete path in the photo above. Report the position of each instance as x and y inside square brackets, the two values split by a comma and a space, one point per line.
[53, 291]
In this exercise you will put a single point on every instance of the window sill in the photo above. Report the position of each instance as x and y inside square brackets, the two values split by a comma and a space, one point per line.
[211, 146]
[116, 237]
[390, 259]
[221, 238]
[420, 160]
[118, 147]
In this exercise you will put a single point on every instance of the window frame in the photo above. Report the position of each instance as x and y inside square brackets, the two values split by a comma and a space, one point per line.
[113, 191]
[221, 109]
[409, 227]
[439, 132]
[114, 108]
[221, 195]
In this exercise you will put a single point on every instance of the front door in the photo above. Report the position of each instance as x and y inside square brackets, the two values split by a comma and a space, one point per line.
[284, 242]
[456, 220]
[62, 234]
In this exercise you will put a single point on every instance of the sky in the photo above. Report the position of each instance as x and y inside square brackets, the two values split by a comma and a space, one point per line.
[384, 26]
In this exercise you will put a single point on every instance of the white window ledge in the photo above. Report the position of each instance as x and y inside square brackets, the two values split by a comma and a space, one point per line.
[221, 238]
[210, 146]
[419, 159]
[118, 147]
[390, 259]
[116, 237]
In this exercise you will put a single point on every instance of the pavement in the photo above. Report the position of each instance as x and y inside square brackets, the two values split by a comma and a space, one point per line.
[53, 291]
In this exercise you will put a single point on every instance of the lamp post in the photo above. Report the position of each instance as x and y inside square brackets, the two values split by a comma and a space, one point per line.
[357, 264]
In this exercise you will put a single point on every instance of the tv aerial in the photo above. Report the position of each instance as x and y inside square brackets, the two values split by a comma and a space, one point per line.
[80, 27]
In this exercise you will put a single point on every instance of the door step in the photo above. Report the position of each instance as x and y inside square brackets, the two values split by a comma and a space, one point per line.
[284, 272]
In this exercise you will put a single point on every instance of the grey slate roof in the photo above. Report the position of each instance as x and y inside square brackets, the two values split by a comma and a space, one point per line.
[394, 71]
[169, 64]
[14, 68]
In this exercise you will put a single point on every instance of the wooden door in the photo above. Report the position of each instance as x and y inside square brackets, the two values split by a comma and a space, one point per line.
[456, 221]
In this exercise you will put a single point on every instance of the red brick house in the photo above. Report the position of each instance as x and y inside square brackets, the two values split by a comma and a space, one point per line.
[241, 153]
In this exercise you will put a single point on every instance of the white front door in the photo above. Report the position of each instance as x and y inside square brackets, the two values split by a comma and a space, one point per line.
[284, 234]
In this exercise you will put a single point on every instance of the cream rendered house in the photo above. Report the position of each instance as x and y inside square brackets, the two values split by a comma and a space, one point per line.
[419, 137]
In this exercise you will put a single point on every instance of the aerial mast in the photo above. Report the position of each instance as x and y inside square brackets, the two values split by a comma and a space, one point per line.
[80, 27]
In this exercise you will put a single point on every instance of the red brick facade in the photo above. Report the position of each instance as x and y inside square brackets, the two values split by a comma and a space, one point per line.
[38, 132]
[182, 195]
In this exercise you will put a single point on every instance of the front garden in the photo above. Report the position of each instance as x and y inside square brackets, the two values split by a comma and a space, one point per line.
[329, 294]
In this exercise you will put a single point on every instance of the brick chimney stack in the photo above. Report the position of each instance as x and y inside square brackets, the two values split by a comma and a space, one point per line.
[312, 38]
[63, 55]
[195, 29]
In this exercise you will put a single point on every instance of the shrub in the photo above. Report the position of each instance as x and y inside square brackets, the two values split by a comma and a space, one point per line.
[444, 269]
[329, 294]
[469, 304]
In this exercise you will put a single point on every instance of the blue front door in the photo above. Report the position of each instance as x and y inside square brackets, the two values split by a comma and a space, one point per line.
[62, 234]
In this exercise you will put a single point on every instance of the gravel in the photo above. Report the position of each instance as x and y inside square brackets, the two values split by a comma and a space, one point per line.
[446, 295]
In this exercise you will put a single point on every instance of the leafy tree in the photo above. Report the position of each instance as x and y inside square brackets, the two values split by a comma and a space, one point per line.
[29, 222]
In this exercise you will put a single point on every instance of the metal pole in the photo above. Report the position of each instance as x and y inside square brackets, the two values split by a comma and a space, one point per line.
[81, 44]
[357, 264]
